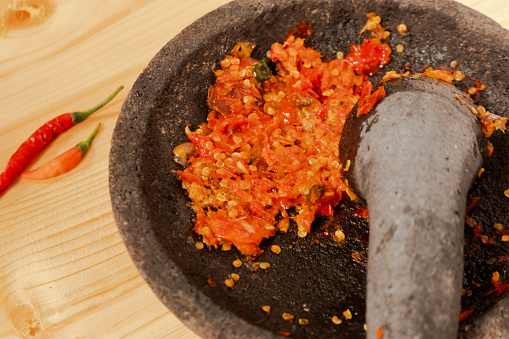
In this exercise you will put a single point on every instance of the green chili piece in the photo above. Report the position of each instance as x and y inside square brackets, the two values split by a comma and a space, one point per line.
[262, 70]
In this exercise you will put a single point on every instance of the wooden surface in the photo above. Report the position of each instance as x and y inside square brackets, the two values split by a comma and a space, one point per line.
[64, 270]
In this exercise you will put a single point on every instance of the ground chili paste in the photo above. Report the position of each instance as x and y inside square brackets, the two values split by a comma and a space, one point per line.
[272, 145]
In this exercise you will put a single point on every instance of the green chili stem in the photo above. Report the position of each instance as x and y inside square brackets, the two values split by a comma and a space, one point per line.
[80, 116]
[83, 146]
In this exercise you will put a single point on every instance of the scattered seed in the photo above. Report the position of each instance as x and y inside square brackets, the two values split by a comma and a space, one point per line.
[226, 246]
[336, 320]
[276, 249]
[347, 166]
[237, 263]
[505, 238]
[340, 55]
[506, 193]
[347, 314]
[491, 261]
[498, 227]
[303, 321]
[481, 171]
[302, 234]
[402, 29]
[339, 235]
[264, 265]
[266, 308]
[453, 64]
[400, 48]
[458, 76]
[229, 282]
[365, 327]
[495, 276]
[288, 316]
[199, 245]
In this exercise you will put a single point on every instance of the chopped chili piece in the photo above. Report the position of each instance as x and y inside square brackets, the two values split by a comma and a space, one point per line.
[472, 204]
[464, 314]
[302, 30]
[498, 288]
[369, 57]
[490, 149]
[476, 232]
[40, 138]
[261, 70]
[362, 212]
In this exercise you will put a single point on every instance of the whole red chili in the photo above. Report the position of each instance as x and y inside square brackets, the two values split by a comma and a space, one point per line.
[40, 138]
[63, 163]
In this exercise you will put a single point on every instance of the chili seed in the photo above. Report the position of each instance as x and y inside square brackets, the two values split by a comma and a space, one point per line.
[229, 282]
[458, 76]
[276, 249]
[264, 265]
[302, 234]
[266, 308]
[347, 314]
[288, 316]
[235, 276]
[336, 320]
[495, 276]
[303, 321]
[237, 263]
[506, 193]
[498, 227]
[402, 29]
[339, 235]
[505, 238]
[199, 245]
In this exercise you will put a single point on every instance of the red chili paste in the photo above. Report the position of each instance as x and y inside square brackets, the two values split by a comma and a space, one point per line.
[272, 145]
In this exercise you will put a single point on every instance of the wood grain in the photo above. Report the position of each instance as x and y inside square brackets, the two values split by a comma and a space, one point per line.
[64, 270]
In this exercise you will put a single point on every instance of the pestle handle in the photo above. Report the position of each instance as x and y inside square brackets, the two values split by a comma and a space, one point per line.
[417, 156]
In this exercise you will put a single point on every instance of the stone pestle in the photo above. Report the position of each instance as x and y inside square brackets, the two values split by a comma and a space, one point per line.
[413, 160]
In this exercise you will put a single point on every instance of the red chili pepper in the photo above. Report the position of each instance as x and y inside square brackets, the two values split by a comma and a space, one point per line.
[63, 163]
[40, 138]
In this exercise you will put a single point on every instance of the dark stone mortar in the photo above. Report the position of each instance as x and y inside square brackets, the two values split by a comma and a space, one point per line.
[315, 278]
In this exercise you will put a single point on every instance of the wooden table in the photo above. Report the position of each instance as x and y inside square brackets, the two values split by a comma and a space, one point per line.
[64, 270]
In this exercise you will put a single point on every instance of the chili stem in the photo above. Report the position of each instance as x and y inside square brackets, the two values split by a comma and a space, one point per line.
[80, 116]
[83, 146]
